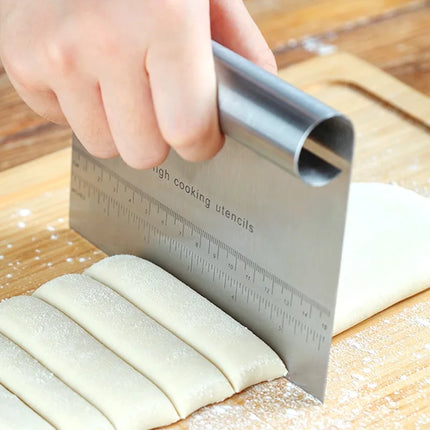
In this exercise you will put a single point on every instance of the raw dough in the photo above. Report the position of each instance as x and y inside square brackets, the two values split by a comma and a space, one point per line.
[386, 255]
[386, 258]
[16, 415]
[184, 375]
[44, 392]
[242, 357]
[121, 393]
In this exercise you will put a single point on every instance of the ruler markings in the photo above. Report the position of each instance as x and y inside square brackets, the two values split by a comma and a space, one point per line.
[161, 236]
[103, 196]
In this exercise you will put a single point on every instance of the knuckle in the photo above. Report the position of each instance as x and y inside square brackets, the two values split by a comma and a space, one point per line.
[59, 56]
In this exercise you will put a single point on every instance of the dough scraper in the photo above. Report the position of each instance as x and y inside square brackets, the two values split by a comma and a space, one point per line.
[257, 230]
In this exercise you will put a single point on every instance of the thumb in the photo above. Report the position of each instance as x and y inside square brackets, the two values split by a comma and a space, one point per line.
[233, 27]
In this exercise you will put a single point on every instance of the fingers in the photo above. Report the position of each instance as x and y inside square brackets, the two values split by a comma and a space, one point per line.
[183, 83]
[153, 88]
[129, 110]
[36, 93]
[81, 103]
[233, 27]
[43, 101]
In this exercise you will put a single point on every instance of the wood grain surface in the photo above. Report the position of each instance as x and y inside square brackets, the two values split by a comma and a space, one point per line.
[379, 375]
[391, 34]
[282, 21]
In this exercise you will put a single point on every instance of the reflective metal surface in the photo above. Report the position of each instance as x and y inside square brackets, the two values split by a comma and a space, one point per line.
[299, 133]
[258, 229]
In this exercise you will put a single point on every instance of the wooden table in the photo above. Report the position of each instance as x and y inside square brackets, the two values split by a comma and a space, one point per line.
[368, 389]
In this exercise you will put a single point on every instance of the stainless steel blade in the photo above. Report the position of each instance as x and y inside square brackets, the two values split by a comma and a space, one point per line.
[257, 230]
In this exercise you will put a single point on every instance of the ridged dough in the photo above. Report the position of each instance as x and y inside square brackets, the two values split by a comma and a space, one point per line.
[184, 375]
[44, 392]
[242, 357]
[121, 393]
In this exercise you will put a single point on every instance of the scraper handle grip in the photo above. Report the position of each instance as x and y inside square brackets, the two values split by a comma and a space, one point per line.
[299, 133]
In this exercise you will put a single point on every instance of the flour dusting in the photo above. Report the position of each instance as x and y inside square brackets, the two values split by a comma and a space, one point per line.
[24, 212]
[369, 371]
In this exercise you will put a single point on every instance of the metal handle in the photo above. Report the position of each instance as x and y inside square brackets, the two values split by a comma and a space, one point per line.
[294, 130]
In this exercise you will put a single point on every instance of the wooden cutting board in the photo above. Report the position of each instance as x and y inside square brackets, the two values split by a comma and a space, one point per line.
[379, 374]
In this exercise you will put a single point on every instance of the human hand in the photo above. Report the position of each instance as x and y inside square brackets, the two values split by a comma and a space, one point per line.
[131, 77]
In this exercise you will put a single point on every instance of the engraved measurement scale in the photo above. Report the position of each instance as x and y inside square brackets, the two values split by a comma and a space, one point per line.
[257, 230]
